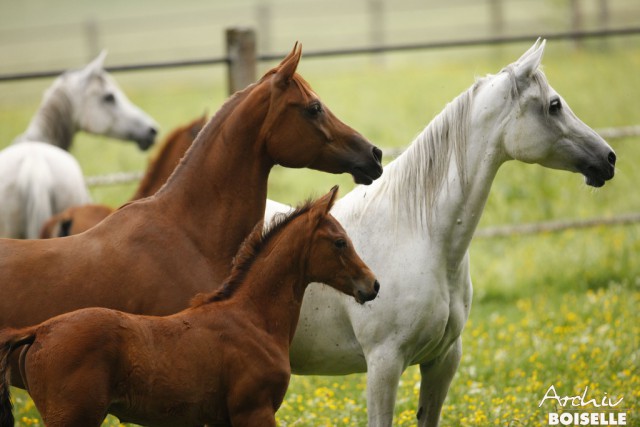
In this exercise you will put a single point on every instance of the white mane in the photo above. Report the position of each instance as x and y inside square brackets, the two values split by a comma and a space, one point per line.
[413, 182]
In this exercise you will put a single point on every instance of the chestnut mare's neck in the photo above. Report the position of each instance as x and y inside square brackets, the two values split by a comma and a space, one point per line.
[268, 279]
[218, 191]
[168, 157]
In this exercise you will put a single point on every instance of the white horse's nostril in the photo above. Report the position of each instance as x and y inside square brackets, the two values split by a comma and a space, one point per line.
[612, 158]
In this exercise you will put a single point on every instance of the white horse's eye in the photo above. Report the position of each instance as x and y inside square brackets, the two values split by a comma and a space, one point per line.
[555, 106]
[109, 98]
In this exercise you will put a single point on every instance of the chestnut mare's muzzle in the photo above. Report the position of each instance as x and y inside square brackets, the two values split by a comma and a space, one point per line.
[370, 169]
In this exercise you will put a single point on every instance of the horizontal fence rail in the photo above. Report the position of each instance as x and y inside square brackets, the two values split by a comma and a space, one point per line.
[606, 133]
[484, 41]
[117, 178]
[487, 232]
[556, 226]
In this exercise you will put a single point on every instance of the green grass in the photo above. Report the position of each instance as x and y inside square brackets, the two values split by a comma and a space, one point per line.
[557, 309]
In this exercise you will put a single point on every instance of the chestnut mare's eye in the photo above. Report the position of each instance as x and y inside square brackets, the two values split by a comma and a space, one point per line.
[109, 98]
[555, 106]
[341, 243]
[314, 109]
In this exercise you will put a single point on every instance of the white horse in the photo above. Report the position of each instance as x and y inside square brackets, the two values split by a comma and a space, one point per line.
[428, 203]
[38, 178]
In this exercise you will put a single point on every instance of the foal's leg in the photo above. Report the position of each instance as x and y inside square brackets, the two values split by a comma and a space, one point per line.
[75, 411]
[73, 402]
[384, 368]
[434, 385]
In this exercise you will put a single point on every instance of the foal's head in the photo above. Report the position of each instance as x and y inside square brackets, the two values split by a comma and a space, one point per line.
[332, 257]
[300, 131]
[102, 108]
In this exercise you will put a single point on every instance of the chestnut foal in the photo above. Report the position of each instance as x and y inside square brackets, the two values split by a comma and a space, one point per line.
[223, 361]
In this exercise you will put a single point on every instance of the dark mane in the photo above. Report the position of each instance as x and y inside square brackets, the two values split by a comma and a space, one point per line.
[247, 254]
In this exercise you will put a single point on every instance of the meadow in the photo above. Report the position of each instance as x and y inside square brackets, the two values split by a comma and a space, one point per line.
[551, 309]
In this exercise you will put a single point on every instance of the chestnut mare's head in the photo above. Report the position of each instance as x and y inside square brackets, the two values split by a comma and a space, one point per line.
[300, 131]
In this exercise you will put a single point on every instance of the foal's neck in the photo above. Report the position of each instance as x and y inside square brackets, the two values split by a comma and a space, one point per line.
[53, 122]
[274, 287]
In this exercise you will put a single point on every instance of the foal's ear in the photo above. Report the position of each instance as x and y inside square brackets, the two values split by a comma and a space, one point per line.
[288, 66]
[323, 205]
[530, 60]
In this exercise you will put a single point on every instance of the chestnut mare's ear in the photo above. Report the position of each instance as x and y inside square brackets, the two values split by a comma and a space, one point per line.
[288, 66]
[323, 205]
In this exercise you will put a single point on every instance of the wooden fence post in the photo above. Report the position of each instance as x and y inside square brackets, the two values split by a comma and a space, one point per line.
[376, 27]
[576, 20]
[241, 51]
[496, 17]
[264, 21]
[92, 37]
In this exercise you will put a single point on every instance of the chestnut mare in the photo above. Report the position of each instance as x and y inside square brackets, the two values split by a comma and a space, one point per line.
[153, 255]
[76, 219]
[224, 360]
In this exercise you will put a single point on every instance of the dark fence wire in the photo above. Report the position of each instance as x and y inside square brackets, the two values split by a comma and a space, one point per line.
[490, 232]
[447, 44]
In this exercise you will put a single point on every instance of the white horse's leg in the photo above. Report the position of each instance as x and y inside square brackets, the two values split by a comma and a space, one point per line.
[434, 385]
[384, 368]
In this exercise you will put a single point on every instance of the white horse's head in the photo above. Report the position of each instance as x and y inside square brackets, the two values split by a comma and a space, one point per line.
[102, 108]
[537, 125]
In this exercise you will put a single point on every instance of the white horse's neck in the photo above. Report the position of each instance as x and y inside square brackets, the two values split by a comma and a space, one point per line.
[53, 123]
[439, 186]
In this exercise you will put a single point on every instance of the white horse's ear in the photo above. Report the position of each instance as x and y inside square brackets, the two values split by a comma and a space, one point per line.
[530, 60]
[97, 65]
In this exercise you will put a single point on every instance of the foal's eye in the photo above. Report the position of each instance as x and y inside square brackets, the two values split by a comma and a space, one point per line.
[314, 109]
[109, 98]
[341, 243]
[555, 106]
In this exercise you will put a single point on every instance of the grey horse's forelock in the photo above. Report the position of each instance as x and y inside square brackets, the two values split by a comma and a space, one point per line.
[538, 79]
[414, 181]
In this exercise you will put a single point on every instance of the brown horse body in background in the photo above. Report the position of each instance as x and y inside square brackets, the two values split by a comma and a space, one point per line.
[77, 219]
[153, 255]
[224, 360]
